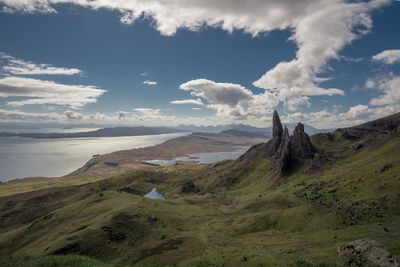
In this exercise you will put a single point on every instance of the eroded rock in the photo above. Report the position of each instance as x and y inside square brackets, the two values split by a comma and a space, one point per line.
[287, 149]
[300, 144]
[319, 163]
[366, 253]
[277, 131]
[283, 153]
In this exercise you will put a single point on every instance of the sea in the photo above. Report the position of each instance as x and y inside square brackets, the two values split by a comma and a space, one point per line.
[29, 157]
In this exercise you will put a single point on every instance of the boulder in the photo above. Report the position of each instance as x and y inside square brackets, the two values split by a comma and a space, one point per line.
[189, 187]
[366, 253]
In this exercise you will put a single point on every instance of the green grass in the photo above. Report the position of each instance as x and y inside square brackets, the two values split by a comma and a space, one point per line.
[306, 263]
[50, 261]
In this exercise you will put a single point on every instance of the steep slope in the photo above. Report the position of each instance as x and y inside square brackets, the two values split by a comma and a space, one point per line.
[247, 213]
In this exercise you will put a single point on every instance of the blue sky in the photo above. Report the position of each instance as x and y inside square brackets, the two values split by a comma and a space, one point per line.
[70, 63]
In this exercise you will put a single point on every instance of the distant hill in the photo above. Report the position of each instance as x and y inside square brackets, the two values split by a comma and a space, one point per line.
[105, 132]
[196, 142]
[245, 134]
[265, 131]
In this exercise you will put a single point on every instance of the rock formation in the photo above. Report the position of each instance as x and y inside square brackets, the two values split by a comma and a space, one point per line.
[277, 131]
[318, 163]
[288, 149]
[366, 253]
[283, 154]
[300, 144]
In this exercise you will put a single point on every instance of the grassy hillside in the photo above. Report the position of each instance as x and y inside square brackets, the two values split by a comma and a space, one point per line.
[245, 214]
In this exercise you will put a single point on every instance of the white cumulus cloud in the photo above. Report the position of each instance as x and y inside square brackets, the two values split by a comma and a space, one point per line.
[388, 56]
[149, 82]
[188, 102]
[41, 92]
[389, 89]
[320, 29]
[72, 115]
[330, 119]
[17, 66]
[18, 116]
[230, 100]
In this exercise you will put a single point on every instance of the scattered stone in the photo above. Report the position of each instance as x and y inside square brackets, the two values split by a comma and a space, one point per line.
[129, 190]
[358, 146]
[386, 167]
[366, 253]
[189, 187]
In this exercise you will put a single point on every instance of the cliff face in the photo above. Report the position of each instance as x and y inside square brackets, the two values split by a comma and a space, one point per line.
[285, 148]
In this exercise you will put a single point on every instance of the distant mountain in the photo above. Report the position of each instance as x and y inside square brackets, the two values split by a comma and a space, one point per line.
[264, 131]
[244, 134]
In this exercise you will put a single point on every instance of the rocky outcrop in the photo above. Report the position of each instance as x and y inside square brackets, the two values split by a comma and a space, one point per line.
[277, 131]
[319, 163]
[288, 149]
[300, 144]
[189, 187]
[366, 253]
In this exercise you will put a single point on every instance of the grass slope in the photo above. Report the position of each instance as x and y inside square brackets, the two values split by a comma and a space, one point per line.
[245, 214]
[50, 261]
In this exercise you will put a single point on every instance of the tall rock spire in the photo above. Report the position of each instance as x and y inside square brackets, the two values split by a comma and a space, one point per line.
[277, 131]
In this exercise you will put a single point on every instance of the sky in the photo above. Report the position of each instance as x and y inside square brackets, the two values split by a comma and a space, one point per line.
[327, 63]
